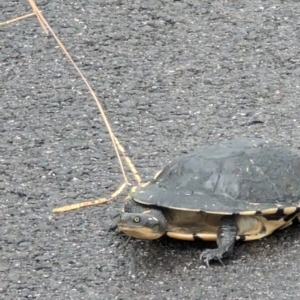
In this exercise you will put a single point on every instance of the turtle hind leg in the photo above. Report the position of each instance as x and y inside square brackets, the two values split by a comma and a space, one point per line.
[226, 239]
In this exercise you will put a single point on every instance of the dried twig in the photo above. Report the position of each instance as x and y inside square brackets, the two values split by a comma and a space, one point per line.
[117, 146]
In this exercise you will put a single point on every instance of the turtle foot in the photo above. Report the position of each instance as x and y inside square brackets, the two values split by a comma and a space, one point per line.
[211, 254]
[113, 226]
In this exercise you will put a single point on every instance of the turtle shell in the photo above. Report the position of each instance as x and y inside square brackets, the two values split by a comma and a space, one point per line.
[249, 176]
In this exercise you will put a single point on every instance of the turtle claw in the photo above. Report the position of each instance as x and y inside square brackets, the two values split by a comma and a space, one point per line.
[113, 226]
[211, 254]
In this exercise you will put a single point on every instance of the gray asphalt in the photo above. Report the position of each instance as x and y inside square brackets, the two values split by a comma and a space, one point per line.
[172, 75]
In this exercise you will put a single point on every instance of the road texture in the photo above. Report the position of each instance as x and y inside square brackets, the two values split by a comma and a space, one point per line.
[172, 75]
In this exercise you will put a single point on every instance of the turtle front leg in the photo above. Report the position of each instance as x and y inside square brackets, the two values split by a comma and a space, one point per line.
[114, 224]
[226, 239]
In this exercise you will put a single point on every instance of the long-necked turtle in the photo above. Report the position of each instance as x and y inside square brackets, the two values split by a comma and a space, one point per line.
[235, 190]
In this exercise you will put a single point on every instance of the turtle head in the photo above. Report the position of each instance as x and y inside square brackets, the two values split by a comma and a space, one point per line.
[147, 225]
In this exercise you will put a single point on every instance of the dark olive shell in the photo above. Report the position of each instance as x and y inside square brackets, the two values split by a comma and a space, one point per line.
[248, 175]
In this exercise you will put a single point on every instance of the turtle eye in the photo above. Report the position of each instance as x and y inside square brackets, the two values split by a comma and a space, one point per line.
[136, 219]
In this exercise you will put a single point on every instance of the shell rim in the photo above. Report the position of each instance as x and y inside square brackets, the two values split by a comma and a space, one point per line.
[284, 209]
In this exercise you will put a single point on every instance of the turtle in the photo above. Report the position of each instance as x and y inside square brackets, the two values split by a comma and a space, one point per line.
[234, 190]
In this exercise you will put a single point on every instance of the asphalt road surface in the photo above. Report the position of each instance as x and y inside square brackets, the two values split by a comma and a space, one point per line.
[172, 75]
